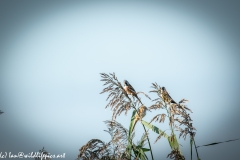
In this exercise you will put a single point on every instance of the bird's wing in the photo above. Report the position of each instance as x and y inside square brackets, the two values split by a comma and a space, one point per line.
[172, 101]
[131, 88]
[166, 92]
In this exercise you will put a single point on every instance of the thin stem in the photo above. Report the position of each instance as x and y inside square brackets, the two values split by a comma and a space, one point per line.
[195, 148]
[148, 142]
[191, 146]
[130, 141]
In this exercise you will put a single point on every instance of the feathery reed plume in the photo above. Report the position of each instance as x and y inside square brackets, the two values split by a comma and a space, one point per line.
[158, 102]
[119, 100]
[114, 149]
[184, 120]
[160, 117]
[119, 139]
[94, 149]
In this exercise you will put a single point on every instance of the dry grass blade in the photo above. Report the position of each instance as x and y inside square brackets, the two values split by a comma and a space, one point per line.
[160, 117]
[183, 101]
[155, 85]
[156, 99]
[160, 135]
[188, 109]
[144, 95]
[177, 128]
[155, 118]
[157, 105]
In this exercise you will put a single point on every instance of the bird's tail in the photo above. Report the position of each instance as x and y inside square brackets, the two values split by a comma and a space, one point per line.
[172, 101]
[139, 99]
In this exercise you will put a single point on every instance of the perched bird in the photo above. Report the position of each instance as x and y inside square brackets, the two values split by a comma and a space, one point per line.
[138, 116]
[130, 90]
[141, 112]
[165, 96]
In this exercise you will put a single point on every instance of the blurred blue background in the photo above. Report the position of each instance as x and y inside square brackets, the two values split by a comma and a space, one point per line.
[51, 54]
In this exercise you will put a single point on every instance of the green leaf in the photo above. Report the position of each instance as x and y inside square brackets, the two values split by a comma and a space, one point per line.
[139, 152]
[132, 123]
[173, 142]
[171, 139]
[154, 129]
[145, 149]
[130, 145]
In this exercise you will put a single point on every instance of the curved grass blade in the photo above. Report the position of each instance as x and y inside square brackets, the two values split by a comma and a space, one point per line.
[171, 139]
[129, 148]
[154, 129]
[132, 123]
[210, 144]
[145, 149]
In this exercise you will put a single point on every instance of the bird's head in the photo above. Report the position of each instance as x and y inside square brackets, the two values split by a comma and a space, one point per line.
[126, 83]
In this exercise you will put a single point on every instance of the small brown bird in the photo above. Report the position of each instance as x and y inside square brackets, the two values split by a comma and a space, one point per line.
[138, 116]
[165, 96]
[130, 90]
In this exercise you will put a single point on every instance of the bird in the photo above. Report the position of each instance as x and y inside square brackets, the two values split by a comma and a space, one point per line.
[141, 112]
[139, 115]
[130, 90]
[165, 96]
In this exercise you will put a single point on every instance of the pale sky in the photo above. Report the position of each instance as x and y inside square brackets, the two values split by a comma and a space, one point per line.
[53, 51]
